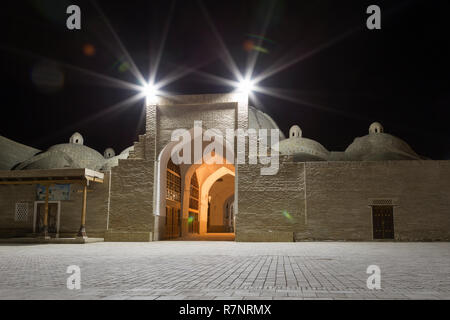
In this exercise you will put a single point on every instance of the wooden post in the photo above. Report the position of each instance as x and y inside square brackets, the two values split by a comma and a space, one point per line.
[47, 191]
[82, 232]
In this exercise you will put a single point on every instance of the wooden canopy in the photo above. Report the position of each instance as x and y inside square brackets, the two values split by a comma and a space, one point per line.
[51, 177]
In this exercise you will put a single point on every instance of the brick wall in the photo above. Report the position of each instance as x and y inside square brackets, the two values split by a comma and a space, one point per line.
[218, 116]
[338, 196]
[131, 209]
[9, 196]
[271, 208]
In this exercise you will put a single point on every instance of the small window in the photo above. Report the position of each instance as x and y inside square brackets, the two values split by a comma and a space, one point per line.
[21, 213]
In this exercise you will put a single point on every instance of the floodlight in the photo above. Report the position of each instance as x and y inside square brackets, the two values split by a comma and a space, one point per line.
[246, 86]
[151, 93]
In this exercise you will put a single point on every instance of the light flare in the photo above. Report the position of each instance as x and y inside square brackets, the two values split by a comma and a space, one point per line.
[246, 86]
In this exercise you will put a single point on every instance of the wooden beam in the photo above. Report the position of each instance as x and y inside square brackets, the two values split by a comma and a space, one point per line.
[95, 179]
[43, 182]
[77, 181]
[82, 232]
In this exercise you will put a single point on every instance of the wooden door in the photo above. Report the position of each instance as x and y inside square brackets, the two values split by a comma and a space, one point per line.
[168, 222]
[52, 220]
[173, 222]
[383, 222]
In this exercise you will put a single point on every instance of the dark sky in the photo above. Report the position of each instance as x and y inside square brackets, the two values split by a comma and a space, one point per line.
[399, 76]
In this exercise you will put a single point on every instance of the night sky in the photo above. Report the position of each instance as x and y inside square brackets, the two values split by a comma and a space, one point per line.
[399, 75]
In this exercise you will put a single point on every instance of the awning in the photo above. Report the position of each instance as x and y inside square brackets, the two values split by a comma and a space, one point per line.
[52, 176]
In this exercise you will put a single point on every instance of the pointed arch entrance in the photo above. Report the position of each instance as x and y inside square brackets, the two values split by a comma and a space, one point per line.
[183, 197]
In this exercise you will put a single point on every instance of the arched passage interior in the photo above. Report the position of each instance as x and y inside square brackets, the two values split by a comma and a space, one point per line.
[184, 195]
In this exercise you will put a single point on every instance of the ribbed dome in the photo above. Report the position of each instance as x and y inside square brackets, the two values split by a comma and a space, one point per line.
[380, 146]
[48, 160]
[67, 155]
[13, 153]
[260, 120]
[302, 149]
[85, 156]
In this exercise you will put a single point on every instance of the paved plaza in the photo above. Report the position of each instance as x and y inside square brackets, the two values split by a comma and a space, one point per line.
[226, 270]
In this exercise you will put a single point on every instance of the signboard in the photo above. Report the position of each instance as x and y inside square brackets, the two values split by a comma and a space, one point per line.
[57, 192]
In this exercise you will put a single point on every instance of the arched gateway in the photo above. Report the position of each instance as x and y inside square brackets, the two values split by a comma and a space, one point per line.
[169, 199]
[185, 203]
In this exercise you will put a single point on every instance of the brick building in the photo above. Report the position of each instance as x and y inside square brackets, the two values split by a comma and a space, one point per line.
[378, 188]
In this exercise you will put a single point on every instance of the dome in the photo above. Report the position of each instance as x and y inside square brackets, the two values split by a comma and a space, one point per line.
[67, 155]
[87, 157]
[260, 120]
[76, 138]
[302, 149]
[13, 153]
[114, 161]
[378, 145]
[127, 150]
[48, 160]
[109, 153]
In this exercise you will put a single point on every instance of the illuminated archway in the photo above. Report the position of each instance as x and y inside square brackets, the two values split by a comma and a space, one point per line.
[204, 192]
[209, 173]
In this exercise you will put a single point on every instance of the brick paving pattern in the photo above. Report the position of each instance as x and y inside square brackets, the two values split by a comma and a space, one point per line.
[226, 270]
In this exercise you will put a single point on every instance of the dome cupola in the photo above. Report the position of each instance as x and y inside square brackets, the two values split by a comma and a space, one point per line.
[376, 127]
[76, 138]
[295, 132]
[109, 153]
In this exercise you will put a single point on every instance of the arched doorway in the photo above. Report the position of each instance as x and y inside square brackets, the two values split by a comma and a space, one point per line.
[215, 189]
[218, 208]
[181, 197]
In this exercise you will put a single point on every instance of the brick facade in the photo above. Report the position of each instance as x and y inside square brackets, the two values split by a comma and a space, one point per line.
[304, 201]
[338, 195]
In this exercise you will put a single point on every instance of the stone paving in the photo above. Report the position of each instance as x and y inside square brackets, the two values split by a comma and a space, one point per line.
[226, 270]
